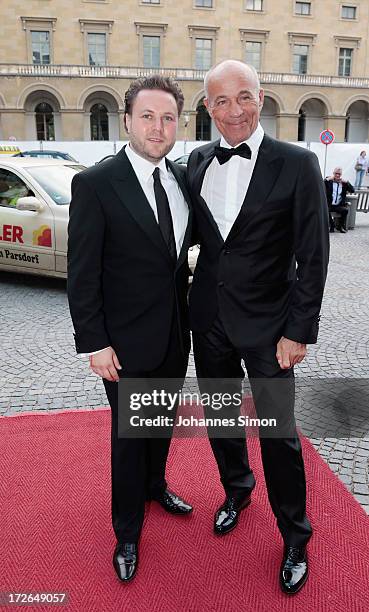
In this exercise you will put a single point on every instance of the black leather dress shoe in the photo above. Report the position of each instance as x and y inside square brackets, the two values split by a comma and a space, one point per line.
[173, 503]
[125, 561]
[294, 569]
[342, 230]
[226, 517]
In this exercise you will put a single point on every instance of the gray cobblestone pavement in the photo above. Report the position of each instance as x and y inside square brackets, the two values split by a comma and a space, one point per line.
[40, 370]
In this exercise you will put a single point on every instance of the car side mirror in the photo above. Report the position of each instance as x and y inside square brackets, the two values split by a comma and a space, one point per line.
[29, 203]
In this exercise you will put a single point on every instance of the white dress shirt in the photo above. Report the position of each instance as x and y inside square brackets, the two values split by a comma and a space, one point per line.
[177, 204]
[225, 186]
[336, 193]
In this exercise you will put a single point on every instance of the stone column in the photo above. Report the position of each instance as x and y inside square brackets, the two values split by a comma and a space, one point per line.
[287, 126]
[337, 123]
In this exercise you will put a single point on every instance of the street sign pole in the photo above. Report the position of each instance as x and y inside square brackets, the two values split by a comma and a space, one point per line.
[326, 137]
[325, 162]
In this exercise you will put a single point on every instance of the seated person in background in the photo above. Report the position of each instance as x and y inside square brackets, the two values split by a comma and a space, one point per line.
[336, 190]
[11, 196]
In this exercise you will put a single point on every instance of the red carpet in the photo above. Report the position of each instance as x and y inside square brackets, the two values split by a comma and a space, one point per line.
[56, 534]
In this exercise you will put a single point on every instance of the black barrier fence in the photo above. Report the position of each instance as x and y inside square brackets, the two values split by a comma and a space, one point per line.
[319, 407]
[362, 204]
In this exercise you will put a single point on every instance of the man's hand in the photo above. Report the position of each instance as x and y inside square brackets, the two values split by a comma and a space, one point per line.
[289, 353]
[105, 364]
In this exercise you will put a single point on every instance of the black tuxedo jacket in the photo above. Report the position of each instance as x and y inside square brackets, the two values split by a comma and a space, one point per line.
[346, 187]
[267, 278]
[123, 287]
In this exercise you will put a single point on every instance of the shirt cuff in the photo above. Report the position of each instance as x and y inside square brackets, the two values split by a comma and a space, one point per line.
[94, 352]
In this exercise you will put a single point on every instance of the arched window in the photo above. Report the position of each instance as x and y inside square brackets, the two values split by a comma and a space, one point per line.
[45, 122]
[99, 122]
[203, 123]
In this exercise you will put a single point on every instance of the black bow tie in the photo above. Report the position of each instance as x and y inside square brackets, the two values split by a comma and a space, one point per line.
[223, 155]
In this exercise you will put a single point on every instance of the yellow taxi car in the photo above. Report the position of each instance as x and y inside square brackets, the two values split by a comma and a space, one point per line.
[34, 209]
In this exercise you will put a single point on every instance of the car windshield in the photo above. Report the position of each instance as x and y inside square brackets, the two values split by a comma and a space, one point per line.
[56, 180]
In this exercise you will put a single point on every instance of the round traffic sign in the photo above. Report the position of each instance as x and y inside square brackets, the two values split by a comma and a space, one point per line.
[326, 137]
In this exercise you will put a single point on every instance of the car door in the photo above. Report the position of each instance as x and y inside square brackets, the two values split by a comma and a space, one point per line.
[55, 181]
[26, 237]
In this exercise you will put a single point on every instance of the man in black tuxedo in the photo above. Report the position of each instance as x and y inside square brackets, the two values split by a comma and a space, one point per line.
[336, 190]
[129, 233]
[262, 219]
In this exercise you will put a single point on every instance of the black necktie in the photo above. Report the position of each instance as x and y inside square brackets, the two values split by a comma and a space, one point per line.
[164, 214]
[337, 185]
[223, 155]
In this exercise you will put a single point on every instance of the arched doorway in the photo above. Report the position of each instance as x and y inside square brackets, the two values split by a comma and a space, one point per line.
[101, 117]
[45, 126]
[43, 119]
[311, 120]
[268, 116]
[203, 122]
[357, 118]
[99, 122]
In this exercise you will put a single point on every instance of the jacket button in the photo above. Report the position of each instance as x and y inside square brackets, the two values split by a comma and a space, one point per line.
[226, 252]
[221, 284]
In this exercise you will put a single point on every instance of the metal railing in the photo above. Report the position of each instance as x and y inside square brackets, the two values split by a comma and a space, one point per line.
[181, 74]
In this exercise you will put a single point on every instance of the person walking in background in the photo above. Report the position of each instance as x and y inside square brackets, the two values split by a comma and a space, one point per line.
[361, 167]
[336, 190]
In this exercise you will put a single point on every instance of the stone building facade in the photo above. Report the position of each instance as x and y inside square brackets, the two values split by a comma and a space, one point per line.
[64, 66]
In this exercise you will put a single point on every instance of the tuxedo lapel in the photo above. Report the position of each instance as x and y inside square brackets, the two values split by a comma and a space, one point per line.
[204, 160]
[180, 178]
[266, 171]
[132, 196]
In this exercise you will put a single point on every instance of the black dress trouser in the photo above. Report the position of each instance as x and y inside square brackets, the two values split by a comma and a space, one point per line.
[138, 464]
[342, 210]
[273, 394]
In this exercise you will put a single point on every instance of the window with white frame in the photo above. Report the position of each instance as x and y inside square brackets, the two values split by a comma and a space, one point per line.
[151, 51]
[204, 3]
[300, 59]
[39, 36]
[96, 40]
[150, 1]
[253, 43]
[203, 53]
[348, 12]
[96, 43]
[203, 45]
[253, 53]
[151, 47]
[254, 5]
[345, 62]
[40, 42]
[303, 8]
